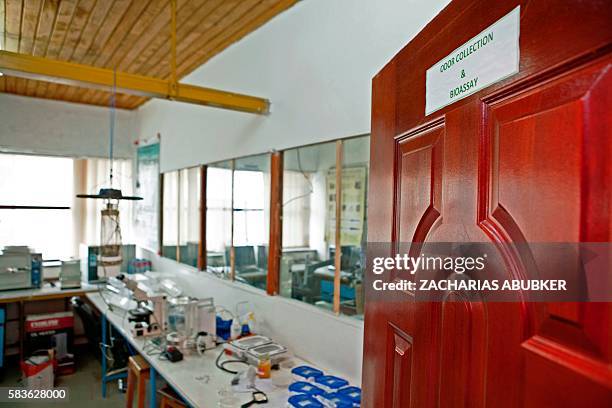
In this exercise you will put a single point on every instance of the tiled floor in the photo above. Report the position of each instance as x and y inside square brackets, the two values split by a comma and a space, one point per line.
[84, 385]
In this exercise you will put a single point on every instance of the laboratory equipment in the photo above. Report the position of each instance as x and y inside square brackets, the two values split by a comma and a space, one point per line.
[91, 270]
[149, 318]
[15, 268]
[256, 348]
[250, 342]
[191, 318]
[264, 367]
[181, 311]
[235, 329]
[37, 266]
[110, 256]
[172, 354]
[274, 351]
[70, 274]
[206, 317]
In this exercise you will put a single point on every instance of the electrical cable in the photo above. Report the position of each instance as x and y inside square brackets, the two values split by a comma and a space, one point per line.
[112, 124]
[299, 160]
[221, 366]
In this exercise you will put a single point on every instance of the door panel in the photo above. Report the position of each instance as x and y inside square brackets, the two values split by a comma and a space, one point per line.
[399, 362]
[420, 182]
[525, 160]
[537, 142]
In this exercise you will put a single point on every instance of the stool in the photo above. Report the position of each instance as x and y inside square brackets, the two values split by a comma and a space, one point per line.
[169, 399]
[138, 371]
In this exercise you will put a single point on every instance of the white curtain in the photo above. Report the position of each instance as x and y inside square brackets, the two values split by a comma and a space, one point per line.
[219, 209]
[296, 209]
[190, 206]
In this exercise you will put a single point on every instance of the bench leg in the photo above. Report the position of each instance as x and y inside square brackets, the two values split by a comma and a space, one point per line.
[152, 391]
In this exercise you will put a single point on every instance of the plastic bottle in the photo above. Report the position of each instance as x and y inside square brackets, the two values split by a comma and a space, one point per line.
[235, 329]
[264, 367]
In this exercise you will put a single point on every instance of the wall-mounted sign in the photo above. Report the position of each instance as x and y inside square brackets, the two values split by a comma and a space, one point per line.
[485, 59]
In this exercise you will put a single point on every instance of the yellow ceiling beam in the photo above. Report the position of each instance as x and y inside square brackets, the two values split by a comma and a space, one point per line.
[69, 73]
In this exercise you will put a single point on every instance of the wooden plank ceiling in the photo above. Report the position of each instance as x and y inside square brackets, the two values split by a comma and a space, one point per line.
[128, 35]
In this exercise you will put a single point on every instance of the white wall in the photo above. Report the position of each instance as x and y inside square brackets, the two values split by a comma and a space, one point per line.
[32, 125]
[314, 62]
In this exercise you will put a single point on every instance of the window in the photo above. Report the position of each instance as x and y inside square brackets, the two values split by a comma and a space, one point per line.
[37, 181]
[306, 250]
[353, 222]
[189, 217]
[170, 231]
[251, 219]
[307, 267]
[54, 181]
[239, 195]
[219, 217]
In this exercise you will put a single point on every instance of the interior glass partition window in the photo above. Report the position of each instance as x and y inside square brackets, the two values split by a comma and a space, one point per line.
[353, 223]
[189, 217]
[219, 181]
[307, 254]
[251, 219]
[170, 215]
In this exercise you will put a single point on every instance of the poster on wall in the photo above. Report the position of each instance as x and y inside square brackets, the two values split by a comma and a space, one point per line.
[146, 214]
[353, 205]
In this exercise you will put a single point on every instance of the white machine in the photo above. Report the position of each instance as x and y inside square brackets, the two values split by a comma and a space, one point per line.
[149, 318]
[15, 268]
[70, 274]
[192, 322]
[255, 348]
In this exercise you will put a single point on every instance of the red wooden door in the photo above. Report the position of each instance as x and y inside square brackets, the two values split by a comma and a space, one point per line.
[524, 160]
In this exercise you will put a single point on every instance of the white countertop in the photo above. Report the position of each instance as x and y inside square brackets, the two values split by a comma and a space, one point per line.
[188, 376]
[46, 292]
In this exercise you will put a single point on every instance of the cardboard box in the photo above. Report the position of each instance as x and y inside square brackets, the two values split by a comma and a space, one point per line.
[52, 331]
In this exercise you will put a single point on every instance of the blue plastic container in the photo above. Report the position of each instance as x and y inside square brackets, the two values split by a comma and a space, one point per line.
[335, 400]
[306, 373]
[303, 387]
[223, 328]
[303, 401]
[352, 393]
[330, 384]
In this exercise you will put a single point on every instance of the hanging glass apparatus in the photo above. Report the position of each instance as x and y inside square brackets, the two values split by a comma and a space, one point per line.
[110, 228]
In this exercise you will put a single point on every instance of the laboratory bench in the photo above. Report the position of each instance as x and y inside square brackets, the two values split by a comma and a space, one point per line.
[47, 292]
[21, 297]
[195, 378]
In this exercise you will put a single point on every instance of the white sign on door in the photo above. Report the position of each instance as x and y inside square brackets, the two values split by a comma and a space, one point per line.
[487, 58]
